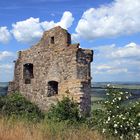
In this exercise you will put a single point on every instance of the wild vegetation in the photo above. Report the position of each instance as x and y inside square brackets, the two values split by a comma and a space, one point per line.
[20, 130]
[16, 106]
[117, 119]
[22, 120]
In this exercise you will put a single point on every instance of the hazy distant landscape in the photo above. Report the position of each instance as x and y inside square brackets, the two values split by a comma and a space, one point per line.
[99, 90]
[3, 88]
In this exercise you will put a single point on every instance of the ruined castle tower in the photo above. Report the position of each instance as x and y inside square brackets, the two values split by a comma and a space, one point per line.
[52, 69]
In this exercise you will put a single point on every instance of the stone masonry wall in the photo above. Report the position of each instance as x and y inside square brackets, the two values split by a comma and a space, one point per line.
[56, 61]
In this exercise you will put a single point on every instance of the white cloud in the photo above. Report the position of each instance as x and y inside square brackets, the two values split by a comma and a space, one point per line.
[75, 38]
[6, 72]
[6, 65]
[46, 25]
[31, 30]
[103, 67]
[6, 54]
[107, 69]
[117, 63]
[4, 35]
[66, 20]
[28, 30]
[129, 51]
[122, 17]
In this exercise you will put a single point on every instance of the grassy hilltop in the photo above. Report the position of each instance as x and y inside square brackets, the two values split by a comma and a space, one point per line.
[115, 115]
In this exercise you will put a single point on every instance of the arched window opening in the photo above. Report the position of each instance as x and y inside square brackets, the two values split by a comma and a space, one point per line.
[28, 73]
[52, 88]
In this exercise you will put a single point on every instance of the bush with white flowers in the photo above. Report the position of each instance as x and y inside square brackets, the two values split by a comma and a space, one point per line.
[118, 117]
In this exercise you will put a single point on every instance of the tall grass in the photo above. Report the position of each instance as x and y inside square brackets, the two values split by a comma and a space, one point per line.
[20, 130]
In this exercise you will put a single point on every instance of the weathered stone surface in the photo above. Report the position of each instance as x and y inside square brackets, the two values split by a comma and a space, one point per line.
[52, 69]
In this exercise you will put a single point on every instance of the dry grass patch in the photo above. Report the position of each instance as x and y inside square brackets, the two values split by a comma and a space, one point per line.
[19, 130]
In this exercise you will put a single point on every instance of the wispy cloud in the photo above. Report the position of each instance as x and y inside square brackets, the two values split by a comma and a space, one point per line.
[111, 61]
[6, 65]
[5, 35]
[6, 55]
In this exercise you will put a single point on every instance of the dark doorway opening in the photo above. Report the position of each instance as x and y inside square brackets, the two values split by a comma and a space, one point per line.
[28, 73]
[52, 88]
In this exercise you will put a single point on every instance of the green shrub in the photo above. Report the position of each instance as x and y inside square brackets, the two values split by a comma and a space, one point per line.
[17, 106]
[118, 117]
[65, 110]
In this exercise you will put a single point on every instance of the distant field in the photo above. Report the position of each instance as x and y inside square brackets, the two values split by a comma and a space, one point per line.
[99, 91]
[94, 104]
[3, 84]
[128, 86]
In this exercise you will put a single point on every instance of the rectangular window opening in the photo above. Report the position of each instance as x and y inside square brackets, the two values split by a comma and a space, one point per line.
[52, 40]
[28, 73]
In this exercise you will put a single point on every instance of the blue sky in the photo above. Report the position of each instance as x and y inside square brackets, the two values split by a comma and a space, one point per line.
[110, 27]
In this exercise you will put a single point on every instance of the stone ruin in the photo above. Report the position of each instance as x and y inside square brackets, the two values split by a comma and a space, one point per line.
[52, 69]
